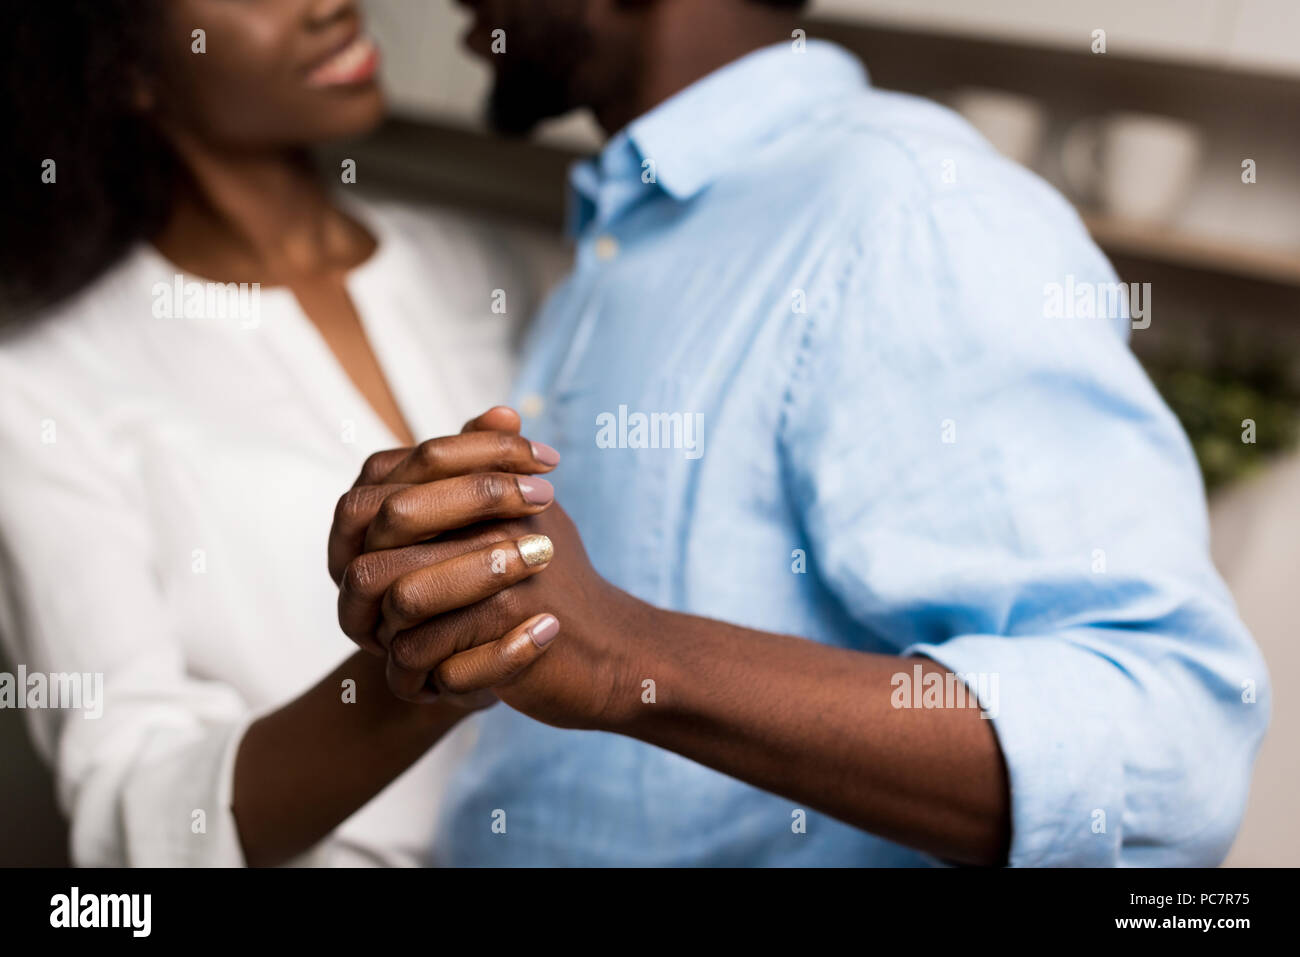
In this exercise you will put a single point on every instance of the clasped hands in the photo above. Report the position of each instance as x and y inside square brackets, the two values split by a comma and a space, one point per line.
[455, 563]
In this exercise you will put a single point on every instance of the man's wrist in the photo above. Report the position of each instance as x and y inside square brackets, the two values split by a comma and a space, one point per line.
[644, 667]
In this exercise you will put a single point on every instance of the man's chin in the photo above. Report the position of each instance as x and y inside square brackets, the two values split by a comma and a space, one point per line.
[516, 107]
[510, 125]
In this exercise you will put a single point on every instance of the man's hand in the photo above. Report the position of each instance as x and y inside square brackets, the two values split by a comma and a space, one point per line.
[586, 682]
[489, 444]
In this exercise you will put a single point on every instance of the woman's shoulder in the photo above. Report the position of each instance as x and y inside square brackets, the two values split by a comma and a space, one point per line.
[79, 334]
[467, 253]
[437, 227]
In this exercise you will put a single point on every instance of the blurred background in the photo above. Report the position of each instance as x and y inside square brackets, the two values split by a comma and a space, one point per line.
[1172, 126]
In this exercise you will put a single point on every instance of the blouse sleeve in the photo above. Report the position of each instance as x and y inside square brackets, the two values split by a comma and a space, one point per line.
[144, 765]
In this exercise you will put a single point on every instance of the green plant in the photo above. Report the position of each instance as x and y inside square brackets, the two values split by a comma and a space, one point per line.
[1217, 407]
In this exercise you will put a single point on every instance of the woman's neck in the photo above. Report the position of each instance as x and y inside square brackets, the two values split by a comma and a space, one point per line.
[257, 217]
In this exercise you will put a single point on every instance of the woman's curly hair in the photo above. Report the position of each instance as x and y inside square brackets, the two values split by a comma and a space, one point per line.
[70, 67]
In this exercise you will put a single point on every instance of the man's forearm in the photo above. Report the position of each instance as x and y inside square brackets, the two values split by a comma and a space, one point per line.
[303, 769]
[816, 724]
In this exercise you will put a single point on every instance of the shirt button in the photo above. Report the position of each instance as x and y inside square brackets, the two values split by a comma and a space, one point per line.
[532, 405]
[606, 247]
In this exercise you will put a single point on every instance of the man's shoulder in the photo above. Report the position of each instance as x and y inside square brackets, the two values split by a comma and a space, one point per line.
[873, 134]
[899, 126]
[902, 177]
[882, 151]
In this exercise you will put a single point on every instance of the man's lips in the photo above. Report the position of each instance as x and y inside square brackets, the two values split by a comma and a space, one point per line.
[356, 62]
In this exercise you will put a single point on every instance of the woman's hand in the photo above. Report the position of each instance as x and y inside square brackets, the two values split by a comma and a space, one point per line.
[489, 444]
[457, 608]
[378, 512]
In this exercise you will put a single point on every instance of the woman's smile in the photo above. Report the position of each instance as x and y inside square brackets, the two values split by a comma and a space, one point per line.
[354, 63]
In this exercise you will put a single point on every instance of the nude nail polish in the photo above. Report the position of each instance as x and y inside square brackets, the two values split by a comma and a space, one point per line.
[536, 491]
[544, 632]
[545, 454]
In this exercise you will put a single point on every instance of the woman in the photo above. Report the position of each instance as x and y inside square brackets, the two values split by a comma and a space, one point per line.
[173, 447]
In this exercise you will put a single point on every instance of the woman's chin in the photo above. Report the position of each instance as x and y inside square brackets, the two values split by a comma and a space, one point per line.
[352, 116]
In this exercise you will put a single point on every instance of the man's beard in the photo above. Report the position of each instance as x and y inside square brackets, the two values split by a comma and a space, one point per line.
[536, 79]
[524, 93]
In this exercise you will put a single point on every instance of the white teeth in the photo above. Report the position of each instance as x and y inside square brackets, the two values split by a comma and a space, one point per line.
[341, 65]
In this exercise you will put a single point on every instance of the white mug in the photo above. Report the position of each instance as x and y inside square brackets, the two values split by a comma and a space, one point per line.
[1012, 123]
[1134, 165]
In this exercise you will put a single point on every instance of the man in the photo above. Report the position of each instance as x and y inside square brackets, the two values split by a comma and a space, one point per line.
[887, 566]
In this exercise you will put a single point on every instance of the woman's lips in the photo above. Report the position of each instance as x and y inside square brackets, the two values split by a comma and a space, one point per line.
[355, 63]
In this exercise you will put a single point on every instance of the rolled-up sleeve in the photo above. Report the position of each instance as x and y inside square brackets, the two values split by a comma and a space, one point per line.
[144, 768]
[1005, 493]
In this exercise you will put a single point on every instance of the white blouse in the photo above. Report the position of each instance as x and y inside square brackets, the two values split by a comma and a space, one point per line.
[166, 494]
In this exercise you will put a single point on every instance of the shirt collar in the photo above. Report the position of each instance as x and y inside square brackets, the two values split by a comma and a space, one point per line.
[697, 134]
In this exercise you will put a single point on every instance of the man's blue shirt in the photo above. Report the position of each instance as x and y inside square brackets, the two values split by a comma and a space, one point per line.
[829, 366]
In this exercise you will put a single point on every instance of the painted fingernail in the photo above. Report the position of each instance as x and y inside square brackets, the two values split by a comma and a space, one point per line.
[544, 632]
[535, 550]
[545, 454]
[536, 491]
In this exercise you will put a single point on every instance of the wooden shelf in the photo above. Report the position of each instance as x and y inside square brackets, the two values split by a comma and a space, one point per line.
[1189, 251]
[1200, 33]
[923, 62]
